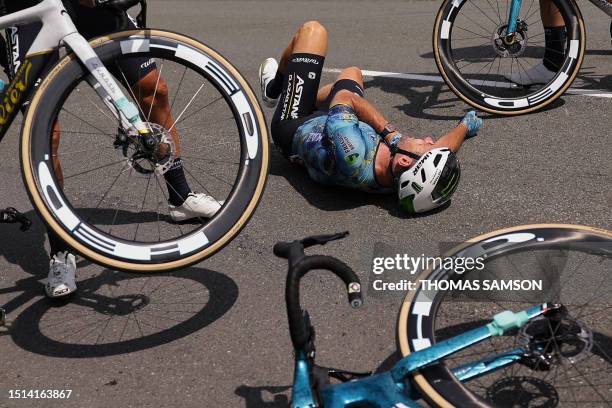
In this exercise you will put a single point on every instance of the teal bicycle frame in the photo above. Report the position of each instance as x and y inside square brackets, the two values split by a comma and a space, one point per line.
[515, 8]
[391, 389]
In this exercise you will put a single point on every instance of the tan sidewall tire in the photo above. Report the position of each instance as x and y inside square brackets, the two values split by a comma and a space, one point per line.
[557, 94]
[420, 381]
[38, 203]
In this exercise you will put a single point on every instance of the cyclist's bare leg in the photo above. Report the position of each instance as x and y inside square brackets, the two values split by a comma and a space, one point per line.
[310, 38]
[55, 141]
[551, 16]
[152, 92]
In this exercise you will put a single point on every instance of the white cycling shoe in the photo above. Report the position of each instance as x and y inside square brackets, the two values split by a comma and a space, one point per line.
[267, 72]
[538, 74]
[61, 279]
[197, 205]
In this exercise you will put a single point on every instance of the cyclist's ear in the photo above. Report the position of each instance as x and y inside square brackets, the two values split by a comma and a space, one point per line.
[404, 162]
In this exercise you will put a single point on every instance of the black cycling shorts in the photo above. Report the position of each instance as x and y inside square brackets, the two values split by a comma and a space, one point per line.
[91, 23]
[297, 102]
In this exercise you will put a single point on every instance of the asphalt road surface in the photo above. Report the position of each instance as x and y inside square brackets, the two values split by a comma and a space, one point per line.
[216, 334]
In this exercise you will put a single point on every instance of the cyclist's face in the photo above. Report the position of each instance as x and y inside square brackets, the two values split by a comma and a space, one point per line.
[401, 162]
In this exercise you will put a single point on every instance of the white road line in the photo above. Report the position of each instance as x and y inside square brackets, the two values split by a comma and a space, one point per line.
[597, 93]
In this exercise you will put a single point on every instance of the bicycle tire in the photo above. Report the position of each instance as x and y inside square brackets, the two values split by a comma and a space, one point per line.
[208, 239]
[470, 94]
[437, 383]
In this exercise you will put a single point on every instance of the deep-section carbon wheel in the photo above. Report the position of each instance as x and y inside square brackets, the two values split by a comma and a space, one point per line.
[105, 192]
[571, 357]
[476, 57]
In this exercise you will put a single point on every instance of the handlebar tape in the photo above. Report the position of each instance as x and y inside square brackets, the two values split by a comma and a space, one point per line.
[299, 329]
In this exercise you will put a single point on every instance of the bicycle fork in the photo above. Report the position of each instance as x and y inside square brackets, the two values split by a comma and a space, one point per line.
[126, 112]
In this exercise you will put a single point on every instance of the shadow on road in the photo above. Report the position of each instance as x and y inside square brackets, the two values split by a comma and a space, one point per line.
[331, 198]
[264, 397]
[113, 312]
[431, 100]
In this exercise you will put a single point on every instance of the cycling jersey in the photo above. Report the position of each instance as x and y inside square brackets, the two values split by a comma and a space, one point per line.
[338, 149]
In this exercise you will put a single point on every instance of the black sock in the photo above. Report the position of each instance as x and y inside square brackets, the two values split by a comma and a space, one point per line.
[275, 86]
[178, 188]
[554, 38]
[56, 243]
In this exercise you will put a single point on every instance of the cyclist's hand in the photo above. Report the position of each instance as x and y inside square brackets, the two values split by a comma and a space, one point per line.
[88, 3]
[472, 122]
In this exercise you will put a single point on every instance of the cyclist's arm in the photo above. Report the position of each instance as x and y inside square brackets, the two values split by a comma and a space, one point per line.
[365, 111]
[453, 139]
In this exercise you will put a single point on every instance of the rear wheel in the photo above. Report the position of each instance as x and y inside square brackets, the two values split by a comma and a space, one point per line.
[111, 204]
[575, 263]
[475, 57]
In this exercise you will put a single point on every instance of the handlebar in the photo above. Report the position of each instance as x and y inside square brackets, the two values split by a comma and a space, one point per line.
[299, 265]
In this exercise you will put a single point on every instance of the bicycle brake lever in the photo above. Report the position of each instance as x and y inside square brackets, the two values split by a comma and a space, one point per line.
[322, 239]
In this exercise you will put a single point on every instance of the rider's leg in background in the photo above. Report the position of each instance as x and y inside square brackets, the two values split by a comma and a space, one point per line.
[152, 93]
[554, 35]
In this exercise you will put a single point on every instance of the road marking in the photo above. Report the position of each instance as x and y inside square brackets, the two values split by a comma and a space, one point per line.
[597, 93]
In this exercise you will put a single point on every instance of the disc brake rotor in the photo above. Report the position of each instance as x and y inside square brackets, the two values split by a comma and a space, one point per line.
[155, 152]
[510, 46]
[564, 339]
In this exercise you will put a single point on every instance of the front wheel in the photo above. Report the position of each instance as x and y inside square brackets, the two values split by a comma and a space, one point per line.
[105, 193]
[494, 72]
[565, 359]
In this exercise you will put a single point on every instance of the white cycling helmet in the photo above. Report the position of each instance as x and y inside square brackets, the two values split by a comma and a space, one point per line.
[430, 182]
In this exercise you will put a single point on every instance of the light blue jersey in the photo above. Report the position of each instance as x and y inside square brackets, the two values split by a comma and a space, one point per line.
[338, 149]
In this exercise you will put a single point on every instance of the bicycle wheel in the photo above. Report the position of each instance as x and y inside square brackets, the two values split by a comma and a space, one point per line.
[112, 202]
[474, 60]
[575, 262]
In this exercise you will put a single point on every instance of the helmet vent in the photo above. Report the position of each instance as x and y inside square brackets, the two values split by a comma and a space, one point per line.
[437, 159]
[404, 184]
[423, 177]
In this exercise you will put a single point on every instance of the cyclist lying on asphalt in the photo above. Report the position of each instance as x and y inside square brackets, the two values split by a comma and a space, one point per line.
[142, 76]
[351, 144]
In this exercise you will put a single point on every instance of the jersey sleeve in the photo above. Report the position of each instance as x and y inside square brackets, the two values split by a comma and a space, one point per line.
[345, 139]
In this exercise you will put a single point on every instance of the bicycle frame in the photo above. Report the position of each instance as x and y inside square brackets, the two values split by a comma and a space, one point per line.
[515, 8]
[57, 30]
[392, 389]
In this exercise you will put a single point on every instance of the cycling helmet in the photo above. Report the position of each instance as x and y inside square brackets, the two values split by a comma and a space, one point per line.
[430, 182]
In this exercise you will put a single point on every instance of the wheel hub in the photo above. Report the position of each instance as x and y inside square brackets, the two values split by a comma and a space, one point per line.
[556, 339]
[510, 45]
[154, 152]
